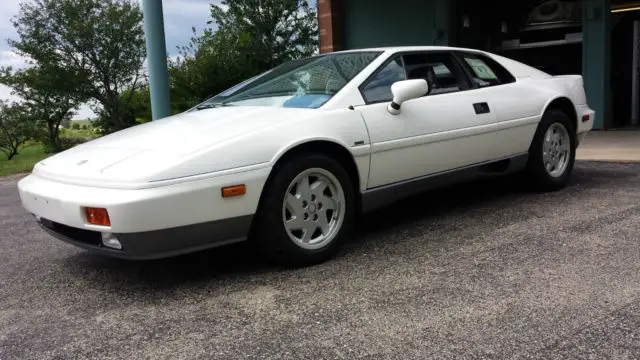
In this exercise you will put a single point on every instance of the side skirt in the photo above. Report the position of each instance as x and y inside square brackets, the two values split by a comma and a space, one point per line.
[382, 196]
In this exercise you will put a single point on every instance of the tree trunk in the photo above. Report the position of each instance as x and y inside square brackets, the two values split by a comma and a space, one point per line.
[54, 142]
[12, 154]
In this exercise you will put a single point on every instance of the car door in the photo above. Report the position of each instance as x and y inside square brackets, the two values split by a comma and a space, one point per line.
[449, 128]
[516, 107]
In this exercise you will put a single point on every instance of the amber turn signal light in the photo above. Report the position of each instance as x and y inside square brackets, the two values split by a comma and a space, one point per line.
[235, 190]
[97, 216]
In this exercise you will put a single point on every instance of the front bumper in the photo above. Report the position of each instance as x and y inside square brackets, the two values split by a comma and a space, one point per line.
[149, 223]
[156, 244]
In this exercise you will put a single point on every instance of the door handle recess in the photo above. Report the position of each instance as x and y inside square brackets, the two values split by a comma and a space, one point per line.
[481, 108]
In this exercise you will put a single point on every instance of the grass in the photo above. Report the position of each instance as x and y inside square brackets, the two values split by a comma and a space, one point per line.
[23, 162]
[33, 152]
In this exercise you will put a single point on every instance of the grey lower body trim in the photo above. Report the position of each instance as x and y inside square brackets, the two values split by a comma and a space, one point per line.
[381, 196]
[159, 243]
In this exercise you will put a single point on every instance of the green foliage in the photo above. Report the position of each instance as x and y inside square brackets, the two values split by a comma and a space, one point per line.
[269, 32]
[99, 42]
[16, 128]
[253, 36]
[75, 126]
[69, 142]
[49, 96]
[140, 103]
[23, 162]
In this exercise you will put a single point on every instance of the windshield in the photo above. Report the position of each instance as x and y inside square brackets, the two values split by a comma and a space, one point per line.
[305, 83]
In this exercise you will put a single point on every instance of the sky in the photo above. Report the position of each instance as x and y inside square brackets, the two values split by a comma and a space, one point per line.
[179, 17]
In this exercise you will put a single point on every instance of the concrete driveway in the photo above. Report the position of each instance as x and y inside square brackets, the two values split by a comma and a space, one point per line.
[477, 271]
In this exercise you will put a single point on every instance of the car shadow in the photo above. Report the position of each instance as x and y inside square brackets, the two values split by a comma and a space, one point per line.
[240, 260]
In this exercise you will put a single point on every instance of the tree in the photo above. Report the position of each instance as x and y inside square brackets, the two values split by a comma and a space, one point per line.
[50, 96]
[100, 41]
[252, 36]
[139, 102]
[17, 126]
[269, 31]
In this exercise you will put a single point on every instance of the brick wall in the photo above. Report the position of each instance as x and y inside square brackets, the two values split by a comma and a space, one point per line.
[328, 20]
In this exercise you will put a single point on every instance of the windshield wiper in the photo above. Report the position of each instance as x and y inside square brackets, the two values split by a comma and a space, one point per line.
[212, 105]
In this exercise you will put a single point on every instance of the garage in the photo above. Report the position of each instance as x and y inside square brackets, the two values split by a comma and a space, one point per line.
[594, 38]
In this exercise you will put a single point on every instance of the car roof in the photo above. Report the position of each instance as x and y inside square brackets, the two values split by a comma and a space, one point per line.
[409, 48]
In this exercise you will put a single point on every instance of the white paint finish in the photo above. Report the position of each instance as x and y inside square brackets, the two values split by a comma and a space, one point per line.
[201, 147]
[144, 209]
[427, 131]
[169, 172]
[518, 69]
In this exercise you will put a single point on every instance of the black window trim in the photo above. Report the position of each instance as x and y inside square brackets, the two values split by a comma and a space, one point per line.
[459, 54]
[466, 85]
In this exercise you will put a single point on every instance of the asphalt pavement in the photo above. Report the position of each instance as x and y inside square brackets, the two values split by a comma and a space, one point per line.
[482, 270]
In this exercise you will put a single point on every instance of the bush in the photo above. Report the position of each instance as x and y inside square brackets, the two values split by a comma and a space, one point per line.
[69, 142]
[75, 126]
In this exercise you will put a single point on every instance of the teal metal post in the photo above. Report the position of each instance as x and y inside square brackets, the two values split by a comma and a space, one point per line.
[156, 58]
[596, 58]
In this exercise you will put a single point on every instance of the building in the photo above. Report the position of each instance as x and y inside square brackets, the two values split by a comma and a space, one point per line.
[594, 38]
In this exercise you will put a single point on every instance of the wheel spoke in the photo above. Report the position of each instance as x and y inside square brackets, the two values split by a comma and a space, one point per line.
[294, 205]
[323, 221]
[309, 229]
[318, 187]
[328, 203]
[303, 188]
[296, 223]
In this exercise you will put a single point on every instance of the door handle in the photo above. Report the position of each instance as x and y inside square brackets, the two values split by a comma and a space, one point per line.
[481, 108]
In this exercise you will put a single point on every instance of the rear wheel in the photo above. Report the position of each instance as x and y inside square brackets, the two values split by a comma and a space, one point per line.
[552, 152]
[307, 210]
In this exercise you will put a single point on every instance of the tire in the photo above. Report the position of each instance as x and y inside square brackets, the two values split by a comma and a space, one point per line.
[286, 244]
[556, 124]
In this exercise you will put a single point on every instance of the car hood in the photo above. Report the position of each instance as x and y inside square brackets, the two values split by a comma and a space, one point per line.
[160, 144]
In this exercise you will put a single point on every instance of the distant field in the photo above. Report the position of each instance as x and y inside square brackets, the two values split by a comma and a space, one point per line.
[23, 162]
[81, 122]
[84, 134]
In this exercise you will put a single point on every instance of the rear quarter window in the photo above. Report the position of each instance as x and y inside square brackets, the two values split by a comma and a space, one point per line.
[485, 71]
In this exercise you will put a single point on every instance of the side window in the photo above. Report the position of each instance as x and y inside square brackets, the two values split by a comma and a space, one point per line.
[439, 69]
[378, 89]
[486, 72]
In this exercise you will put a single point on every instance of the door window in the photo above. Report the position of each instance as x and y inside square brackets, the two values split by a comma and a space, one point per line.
[378, 88]
[439, 69]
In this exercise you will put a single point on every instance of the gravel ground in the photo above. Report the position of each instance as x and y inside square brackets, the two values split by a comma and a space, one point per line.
[481, 270]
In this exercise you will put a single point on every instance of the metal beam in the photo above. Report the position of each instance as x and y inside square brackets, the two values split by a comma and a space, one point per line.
[596, 59]
[156, 58]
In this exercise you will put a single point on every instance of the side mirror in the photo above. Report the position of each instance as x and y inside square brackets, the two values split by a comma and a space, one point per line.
[406, 90]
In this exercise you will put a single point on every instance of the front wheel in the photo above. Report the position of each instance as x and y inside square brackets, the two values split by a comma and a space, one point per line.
[307, 210]
[552, 152]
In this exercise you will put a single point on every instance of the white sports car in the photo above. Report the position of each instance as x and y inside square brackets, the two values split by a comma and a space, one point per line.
[289, 157]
